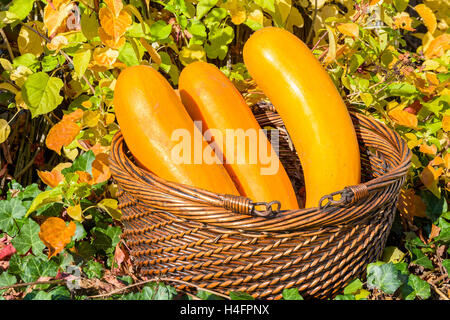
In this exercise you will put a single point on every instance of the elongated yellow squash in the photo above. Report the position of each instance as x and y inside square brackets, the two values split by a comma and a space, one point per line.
[314, 113]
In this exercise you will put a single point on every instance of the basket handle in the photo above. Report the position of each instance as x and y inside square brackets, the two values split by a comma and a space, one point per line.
[244, 205]
[349, 195]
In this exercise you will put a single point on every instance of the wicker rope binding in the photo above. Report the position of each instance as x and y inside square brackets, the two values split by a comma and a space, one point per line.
[228, 243]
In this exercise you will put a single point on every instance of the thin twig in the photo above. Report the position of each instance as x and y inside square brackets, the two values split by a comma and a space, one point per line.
[439, 292]
[8, 46]
[29, 164]
[66, 56]
[17, 285]
[156, 280]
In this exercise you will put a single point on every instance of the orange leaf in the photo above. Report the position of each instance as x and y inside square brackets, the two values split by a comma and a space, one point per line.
[113, 25]
[436, 161]
[110, 41]
[56, 235]
[403, 21]
[105, 56]
[349, 29]
[425, 148]
[428, 17]
[446, 123]
[100, 168]
[61, 134]
[373, 2]
[84, 177]
[74, 116]
[429, 177]
[435, 230]
[55, 13]
[115, 6]
[438, 46]
[54, 177]
[410, 204]
[404, 118]
[447, 161]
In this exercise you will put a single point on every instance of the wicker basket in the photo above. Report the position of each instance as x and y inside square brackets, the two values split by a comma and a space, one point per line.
[227, 243]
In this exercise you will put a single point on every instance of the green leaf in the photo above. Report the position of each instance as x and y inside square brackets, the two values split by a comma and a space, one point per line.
[81, 163]
[401, 5]
[28, 238]
[401, 89]
[44, 198]
[203, 6]
[239, 295]
[89, 26]
[50, 63]
[446, 264]
[81, 60]
[416, 287]
[353, 287]
[36, 267]
[444, 234]
[384, 277]
[80, 232]
[21, 8]
[160, 30]
[197, 29]
[127, 55]
[110, 206]
[434, 206]
[269, 5]
[392, 254]
[28, 60]
[10, 211]
[291, 294]
[93, 269]
[41, 93]
[215, 16]
[7, 279]
[207, 296]
[345, 297]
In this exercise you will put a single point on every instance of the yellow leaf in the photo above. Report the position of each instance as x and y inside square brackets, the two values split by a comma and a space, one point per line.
[111, 206]
[6, 64]
[113, 25]
[56, 235]
[436, 161]
[156, 58]
[404, 118]
[403, 21]
[192, 53]
[75, 212]
[237, 10]
[438, 46]
[55, 13]
[30, 42]
[331, 55]
[9, 87]
[447, 161]
[429, 177]
[412, 140]
[20, 75]
[294, 19]
[91, 118]
[57, 43]
[429, 19]
[349, 29]
[430, 65]
[255, 14]
[5, 130]
[283, 9]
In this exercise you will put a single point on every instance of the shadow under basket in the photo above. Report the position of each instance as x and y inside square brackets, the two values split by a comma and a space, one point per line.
[227, 243]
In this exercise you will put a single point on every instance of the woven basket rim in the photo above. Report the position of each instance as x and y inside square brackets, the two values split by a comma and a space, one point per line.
[305, 218]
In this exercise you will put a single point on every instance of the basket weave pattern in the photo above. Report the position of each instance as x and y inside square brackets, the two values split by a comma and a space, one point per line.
[218, 242]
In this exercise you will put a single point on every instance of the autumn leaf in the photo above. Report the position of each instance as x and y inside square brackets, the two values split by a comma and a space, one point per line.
[411, 205]
[55, 13]
[436, 161]
[84, 177]
[61, 135]
[29, 41]
[105, 57]
[56, 235]
[404, 118]
[429, 177]
[438, 46]
[156, 58]
[100, 168]
[110, 41]
[425, 148]
[349, 29]
[57, 43]
[446, 123]
[114, 25]
[428, 17]
[403, 21]
[115, 6]
[74, 116]
[75, 212]
[54, 177]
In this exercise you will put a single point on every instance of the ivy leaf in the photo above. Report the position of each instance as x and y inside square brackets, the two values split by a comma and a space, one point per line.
[291, 294]
[384, 277]
[110, 206]
[93, 269]
[444, 234]
[353, 287]
[28, 238]
[11, 210]
[446, 264]
[415, 287]
[37, 267]
[41, 93]
[82, 163]
[44, 198]
[7, 279]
